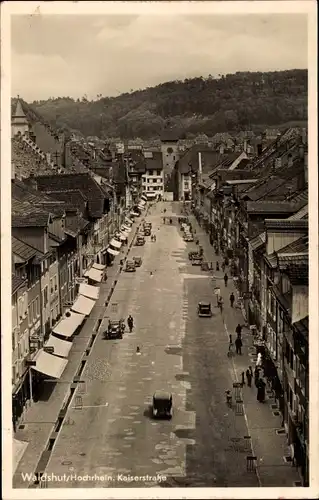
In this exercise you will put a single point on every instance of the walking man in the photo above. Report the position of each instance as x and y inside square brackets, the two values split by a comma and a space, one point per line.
[242, 379]
[226, 279]
[248, 377]
[130, 323]
[238, 344]
[232, 299]
[238, 330]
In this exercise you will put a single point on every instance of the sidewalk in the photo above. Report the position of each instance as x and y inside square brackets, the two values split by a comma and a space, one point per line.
[269, 447]
[41, 417]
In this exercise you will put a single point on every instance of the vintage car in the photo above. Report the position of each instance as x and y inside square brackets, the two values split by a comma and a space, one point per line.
[140, 241]
[197, 261]
[162, 404]
[204, 310]
[130, 266]
[147, 231]
[115, 329]
[188, 238]
[137, 261]
[147, 224]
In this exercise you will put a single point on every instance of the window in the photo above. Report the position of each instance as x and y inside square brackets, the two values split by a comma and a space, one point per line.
[34, 311]
[159, 172]
[186, 185]
[45, 296]
[51, 285]
[37, 302]
[154, 180]
[55, 282]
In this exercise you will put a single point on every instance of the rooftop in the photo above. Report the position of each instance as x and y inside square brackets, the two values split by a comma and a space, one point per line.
[286, 224]
[16, 283]
[298, 274]
[270, 207]
[22, 249]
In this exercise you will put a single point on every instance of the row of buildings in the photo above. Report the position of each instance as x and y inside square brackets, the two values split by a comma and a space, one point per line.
[255, 209]
[71, 213]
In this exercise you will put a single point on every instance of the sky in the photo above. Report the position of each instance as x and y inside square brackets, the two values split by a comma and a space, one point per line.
[76, 55]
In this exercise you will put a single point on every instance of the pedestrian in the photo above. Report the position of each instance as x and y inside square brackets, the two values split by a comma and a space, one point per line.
[232, 299]
[238, 330]
[242, 379]
[238, 344]
[226, 279]
[217, 266]
[230, 338]
[130, 323]
[261, 391]
[155, 237]
[248, 377]
[251, 371]
[220, 303]
[197, 242]
[256, 376]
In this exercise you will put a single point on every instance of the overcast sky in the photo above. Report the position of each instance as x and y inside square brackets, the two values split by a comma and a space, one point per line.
[75, 55]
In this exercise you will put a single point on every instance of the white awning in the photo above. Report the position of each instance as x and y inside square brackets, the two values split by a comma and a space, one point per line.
[68, 325]
[115, 243]
[50, 365]
[144, 197]
[112, 252]
[135, 214]
[126, 228]
[100, 267]
[83, 305]
[122, 236]
[140, 207]
[61, 347]
[89, 291]
[94, 274]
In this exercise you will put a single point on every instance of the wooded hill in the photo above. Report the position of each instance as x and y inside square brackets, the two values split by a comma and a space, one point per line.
[239, 101]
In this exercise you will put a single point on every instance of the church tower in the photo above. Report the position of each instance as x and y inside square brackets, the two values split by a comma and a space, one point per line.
[19, 122]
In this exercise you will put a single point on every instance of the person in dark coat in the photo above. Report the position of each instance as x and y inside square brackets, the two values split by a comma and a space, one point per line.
[242, 379]
[261, 391]
[232, 299]
[249, 377]
[217, 266]
[238, 330]
[226, 279]
[223, 267]
[238, 344]
[256, 376]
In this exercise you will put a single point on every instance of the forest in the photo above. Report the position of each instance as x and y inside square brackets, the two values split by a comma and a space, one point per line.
[232, 102]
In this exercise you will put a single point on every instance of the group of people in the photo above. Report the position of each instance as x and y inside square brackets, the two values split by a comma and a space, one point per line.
[238, 341]
[153, 237]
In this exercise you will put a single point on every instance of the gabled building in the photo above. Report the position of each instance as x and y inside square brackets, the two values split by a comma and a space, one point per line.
[153, 179]
[19, 122]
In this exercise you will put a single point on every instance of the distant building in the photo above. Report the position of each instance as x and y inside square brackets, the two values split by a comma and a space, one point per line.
[153, 179]
[19, 122]
[170, 151]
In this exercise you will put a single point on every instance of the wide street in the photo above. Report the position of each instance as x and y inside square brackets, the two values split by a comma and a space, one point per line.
[112, 434]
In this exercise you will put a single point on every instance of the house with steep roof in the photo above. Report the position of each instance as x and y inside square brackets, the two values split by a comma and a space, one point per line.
[153, 178]
[19, 122]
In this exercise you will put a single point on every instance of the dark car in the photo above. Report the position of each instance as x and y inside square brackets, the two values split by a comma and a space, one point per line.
[130, 266]
[115, 330]
[140, 241]
[147, 231]
[137, 261]
[204, 310]
[162, 404]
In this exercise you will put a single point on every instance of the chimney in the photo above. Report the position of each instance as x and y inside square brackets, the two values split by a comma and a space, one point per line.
[259, 149]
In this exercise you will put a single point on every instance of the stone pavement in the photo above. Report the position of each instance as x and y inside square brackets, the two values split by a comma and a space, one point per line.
[40, 418]
[269, 447]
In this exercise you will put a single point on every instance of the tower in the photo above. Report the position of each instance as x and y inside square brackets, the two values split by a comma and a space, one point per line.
[19, 122]
[170, 155]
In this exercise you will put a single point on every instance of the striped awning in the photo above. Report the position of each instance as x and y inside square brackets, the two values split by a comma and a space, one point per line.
[112, 252]
[115, 243]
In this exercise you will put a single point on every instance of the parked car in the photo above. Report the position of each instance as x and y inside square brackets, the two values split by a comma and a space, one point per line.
[115, 329]
[196, 262]
[147, 232]
[137, 261]
[140, 241]
[204, 310]
[162, 404]
[130, 266]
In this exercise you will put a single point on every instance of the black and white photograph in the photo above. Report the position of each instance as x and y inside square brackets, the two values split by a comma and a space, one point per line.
[159, 249]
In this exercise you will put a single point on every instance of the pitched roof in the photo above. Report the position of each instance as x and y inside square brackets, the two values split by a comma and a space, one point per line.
[24, 214]
[169, 136]
[301, 214]
[75, 224]
[286, 224]
[22, 249]
[298, 274]
[25, 193]
[257, 241]
[16, 282]
[302, 197]
[270, 207]
[299, 246]
[72, 198]
[19, 113]
[292, 259]
[83, 182]
[303, 326]
[154, 163]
